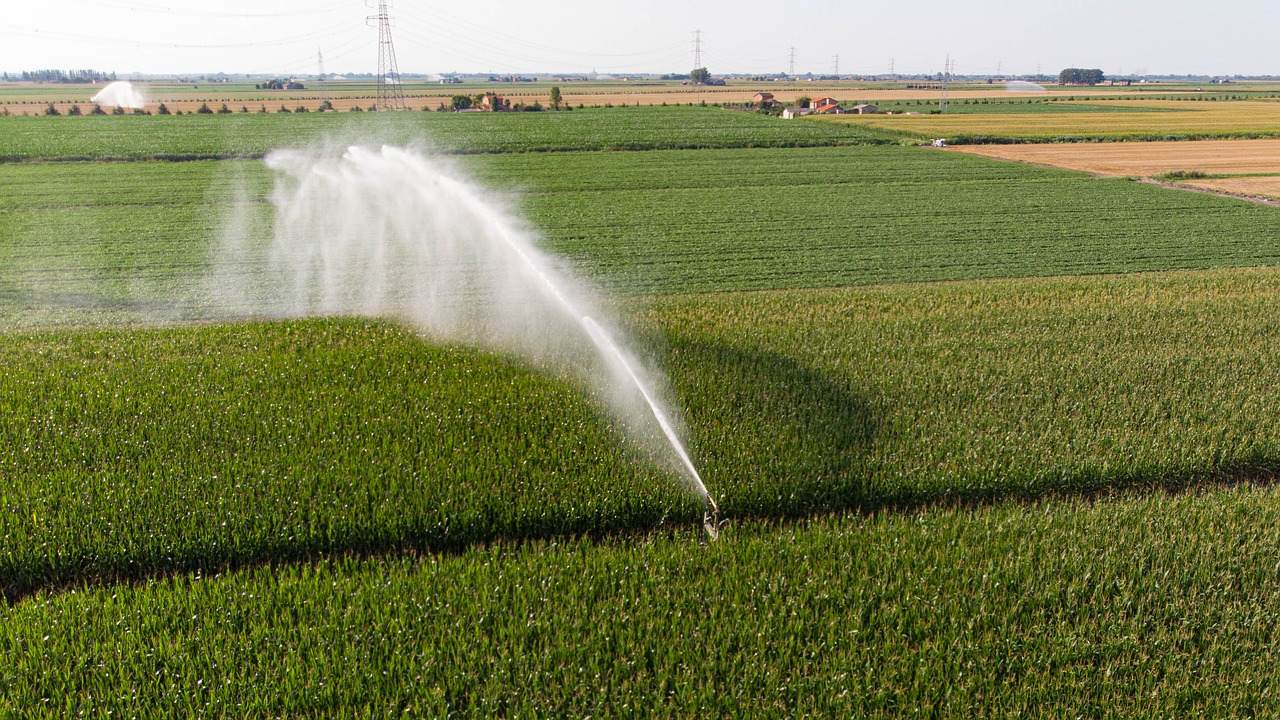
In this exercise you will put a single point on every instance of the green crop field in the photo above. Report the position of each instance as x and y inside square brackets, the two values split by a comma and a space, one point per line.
[992, 439]
[114, 241]
[253, 134]
[1148, 606]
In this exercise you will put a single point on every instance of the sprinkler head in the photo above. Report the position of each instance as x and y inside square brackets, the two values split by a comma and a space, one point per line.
[711, 522]
[710, 525]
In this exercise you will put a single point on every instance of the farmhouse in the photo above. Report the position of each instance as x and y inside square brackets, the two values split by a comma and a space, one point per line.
[491, 102]
[831, 108]
[864, 109]
[795, 112]
[762, 98]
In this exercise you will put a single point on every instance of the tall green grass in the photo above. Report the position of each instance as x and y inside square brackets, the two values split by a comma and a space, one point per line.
[128, 453]
[132, 452]
[1151, 606]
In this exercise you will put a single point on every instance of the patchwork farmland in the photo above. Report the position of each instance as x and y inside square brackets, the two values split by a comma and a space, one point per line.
[991, 437]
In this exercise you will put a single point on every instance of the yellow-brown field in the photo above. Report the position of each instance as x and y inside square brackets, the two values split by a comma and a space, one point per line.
[1268, 186]
[1218, 157]
[1179, 117]
[1258, 160]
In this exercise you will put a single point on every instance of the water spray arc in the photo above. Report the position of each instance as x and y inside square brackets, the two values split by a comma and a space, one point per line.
[390, 231]
[711, 522]
[612, 354]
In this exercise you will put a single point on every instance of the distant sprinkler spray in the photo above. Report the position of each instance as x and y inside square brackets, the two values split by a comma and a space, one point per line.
[120, 94]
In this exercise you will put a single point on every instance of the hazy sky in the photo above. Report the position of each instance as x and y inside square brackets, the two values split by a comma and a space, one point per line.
[574, 36]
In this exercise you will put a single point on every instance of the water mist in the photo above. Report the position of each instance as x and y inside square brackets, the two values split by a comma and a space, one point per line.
[392, 232]
[120, 94]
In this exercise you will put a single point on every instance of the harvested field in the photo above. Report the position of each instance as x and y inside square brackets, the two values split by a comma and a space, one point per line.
[1217, 157]
[1188, 118]
[1268, 186]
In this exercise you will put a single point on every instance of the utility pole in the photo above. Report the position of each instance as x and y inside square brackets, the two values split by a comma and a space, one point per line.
[792, 71]
[390, 91]
[697, 49]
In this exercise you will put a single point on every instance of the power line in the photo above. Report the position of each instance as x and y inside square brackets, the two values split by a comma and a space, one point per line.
[726, 56]
[110, 41]
[431, 19]
[187, 12]
[482, 46]
[488, 50]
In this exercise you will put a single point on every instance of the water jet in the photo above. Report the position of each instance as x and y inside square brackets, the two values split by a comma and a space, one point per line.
[391, 231]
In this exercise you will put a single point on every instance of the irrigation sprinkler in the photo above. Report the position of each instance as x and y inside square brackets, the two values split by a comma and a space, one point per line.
[711, 522]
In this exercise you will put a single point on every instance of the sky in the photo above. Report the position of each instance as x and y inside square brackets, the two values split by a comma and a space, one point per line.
[285, 37]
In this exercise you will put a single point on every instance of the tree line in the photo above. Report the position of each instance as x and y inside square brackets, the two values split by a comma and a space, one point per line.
[1080, 76]
[62, 76]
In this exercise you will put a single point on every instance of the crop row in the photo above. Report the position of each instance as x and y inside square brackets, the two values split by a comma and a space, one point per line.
[252, 135]
[135, 452]
[866, 221]
[1154, 606]
[58, 187]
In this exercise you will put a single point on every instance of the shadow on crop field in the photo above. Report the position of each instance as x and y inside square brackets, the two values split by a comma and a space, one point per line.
[775, 437]
[779, 440]
[775, 440]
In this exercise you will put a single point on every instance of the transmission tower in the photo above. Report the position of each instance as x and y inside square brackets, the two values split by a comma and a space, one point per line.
[946, 76]
[324, 89]
[792, 66]
[390, 91]
[835, 67]
[697, 49]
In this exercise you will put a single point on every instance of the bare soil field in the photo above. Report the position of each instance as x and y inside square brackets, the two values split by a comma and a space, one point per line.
[1145, 159]
[1268, 186]
[1256, 162]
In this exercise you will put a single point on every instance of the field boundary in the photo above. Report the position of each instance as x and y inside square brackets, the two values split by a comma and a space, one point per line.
[1259, 199]
[1125, 138]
